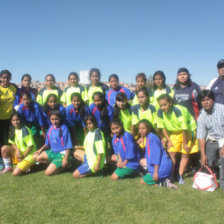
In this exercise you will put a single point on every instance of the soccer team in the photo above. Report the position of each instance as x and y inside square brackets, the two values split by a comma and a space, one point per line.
[156, 131]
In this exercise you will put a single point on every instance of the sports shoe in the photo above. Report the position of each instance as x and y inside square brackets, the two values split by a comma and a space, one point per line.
[181, 180]
[167, 183]
[6, 170]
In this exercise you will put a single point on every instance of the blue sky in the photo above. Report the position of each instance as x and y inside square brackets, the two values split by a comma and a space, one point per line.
[120, 36]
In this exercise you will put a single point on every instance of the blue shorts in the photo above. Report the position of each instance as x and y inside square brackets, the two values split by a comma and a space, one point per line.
[84, 168]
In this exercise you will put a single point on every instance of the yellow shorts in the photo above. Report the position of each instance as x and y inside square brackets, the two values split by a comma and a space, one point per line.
[177, 140]
[24, 165]
[192, 143]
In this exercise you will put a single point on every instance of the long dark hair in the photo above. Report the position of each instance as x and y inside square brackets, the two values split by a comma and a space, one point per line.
[58, 114]
[103, 109]
[118, 122]
[144, 90]
[121, 97]
[148, 124]
[162, 75]
[81, 109]
[46, 108]
[92, 119]
[177, 85]
[12, 128]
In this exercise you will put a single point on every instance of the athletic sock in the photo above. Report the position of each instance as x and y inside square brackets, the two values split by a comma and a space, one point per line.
[7, 162]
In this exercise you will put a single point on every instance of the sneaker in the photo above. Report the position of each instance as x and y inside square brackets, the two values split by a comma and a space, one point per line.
[167, 183]
[6, 170]
[181, 180]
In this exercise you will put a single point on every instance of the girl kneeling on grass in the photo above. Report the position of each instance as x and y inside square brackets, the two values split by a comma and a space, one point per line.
[21, 149]
[92, 154]
[158, 163]
[126, 151]
[58, 142]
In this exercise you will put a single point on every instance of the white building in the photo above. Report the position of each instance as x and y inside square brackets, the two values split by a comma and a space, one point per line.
[84, 77]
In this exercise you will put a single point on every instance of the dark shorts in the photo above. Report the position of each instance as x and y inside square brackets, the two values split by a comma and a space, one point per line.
[55, 158]
[125, 172]
[148, 179]
[4, 131]
[84, 168]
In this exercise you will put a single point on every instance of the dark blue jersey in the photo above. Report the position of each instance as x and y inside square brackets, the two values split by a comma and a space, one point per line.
[155, 154]
[126, 147]
[32, 115]
[20, 91]
[188, 97]
[73, 117]
[103, 125]
[47, 122]
[112, 93]
[217, 86]
[58, 138]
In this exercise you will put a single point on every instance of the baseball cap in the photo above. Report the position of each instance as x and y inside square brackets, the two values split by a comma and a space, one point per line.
[220, 64]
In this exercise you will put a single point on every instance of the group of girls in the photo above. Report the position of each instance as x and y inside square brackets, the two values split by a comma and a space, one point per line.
[98, 125]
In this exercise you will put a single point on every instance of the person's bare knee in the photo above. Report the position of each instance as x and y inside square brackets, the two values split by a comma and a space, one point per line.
[114, 176]
[51, 170]
[5, 151]
[76, 174]
[143, 162]
[17, 172]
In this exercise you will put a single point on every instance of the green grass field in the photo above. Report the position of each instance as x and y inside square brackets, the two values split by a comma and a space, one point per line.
[35, 198]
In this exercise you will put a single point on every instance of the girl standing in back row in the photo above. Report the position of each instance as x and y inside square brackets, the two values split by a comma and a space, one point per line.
[7, 97]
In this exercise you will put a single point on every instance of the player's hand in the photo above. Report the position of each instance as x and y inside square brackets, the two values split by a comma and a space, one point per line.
[19, 156]
[44, 134]
[155, 176]
[187, 148]
[64, 163]
[120, 164]
[169, 144]
[37, 152]
[164, 143]
[96, 168]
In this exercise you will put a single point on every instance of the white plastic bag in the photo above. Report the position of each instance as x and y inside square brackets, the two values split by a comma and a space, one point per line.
[204, 181]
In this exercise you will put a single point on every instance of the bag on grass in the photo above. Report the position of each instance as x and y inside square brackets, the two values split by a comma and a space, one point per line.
[205, 181]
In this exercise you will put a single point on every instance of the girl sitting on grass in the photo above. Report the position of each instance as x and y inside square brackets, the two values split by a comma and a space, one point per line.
[57, 145]
[156, 159]
[92, 153]
[21, 148]
[126, 152]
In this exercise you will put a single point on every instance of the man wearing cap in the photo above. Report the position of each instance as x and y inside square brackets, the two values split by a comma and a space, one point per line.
[217, 84]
